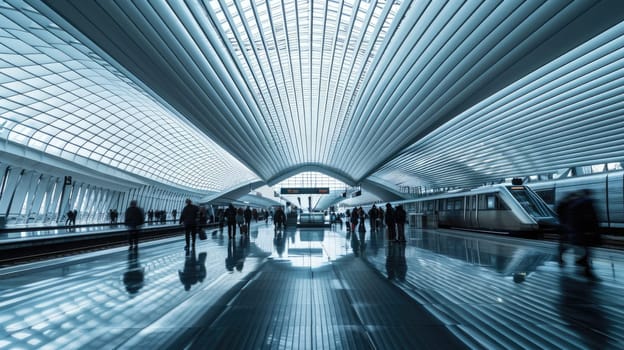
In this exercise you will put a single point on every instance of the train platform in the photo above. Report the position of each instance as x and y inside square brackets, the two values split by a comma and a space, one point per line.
[26, 231]
[317, 289]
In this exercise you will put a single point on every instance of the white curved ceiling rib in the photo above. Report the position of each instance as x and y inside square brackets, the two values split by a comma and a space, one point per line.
[405, 92]
[60, 100]
[568, 113]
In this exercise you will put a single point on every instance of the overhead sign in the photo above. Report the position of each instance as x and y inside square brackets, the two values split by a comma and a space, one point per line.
[304, 190]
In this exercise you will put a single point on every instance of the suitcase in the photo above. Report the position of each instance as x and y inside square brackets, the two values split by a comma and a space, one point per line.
[244, 230]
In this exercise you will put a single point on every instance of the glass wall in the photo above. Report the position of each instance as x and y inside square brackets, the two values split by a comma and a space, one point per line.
[28, 197]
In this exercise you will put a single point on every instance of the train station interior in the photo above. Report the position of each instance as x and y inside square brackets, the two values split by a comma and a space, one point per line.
[487, 121]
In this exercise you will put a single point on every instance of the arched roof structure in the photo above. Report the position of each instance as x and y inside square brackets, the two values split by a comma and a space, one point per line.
[211, 94]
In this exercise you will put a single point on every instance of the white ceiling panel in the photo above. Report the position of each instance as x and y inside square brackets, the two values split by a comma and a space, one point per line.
[434, 93]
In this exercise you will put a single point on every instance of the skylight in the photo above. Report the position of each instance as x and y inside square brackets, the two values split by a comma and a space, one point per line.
[60, 98]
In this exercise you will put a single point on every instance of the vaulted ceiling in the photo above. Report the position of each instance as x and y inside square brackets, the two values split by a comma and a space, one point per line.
[435, 93]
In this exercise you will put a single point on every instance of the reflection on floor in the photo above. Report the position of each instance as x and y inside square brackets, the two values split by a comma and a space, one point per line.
[316, 289]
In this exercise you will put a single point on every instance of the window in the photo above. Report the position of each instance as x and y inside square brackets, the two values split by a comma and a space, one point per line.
[458, 204]
[547, 195]
[531, 203]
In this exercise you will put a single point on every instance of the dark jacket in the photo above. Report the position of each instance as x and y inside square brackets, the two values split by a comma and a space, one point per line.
[354, 217]
[230, 214]
[400, 215]
[189, 215]
[390, 218]
[279, 216]
[134, 217]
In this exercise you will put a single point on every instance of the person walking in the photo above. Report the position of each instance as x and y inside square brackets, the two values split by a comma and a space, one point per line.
[188, 218]
[240, 219]
[372, 217]
[202, 219]
[584, 222]
[134, 218]
[380, 218]
[362, 228]
[279, 218]
[355, 216]
[566, 230]
[69, 216]
[230, 216]
[400, 216]
[390, 222]
[248, 215]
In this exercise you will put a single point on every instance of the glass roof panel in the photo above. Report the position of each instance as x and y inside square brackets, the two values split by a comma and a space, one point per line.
[68, 102]
[290, 49]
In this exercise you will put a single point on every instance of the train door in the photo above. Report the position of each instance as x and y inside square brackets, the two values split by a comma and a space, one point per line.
[471, 211]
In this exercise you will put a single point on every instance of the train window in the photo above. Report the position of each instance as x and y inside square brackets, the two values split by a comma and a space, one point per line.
[481, 202]
[449, 204]
[547, 195]
[530, 204]
[458, 205]
[500, 204]
[492, 202]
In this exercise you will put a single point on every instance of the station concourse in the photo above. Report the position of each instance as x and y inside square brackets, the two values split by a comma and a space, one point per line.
[485, 120]
[316, 289]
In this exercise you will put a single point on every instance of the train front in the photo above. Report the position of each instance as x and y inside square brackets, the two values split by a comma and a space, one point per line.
[533, 204]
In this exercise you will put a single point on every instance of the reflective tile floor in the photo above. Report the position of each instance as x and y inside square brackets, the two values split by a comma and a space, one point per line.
[33, 232]
[317, 289]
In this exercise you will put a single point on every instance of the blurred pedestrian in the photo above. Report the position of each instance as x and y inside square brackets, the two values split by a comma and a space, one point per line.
[279, 219]
[248, 214]
[372, 217]
[230, 217]
[584, 222]
[68, 217]
[390, 222]
[189, 218]
[400, 217]
[202, 219]
[134, 218]
[566, 229]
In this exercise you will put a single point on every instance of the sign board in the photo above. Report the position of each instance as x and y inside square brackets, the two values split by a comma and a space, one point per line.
[304, 190]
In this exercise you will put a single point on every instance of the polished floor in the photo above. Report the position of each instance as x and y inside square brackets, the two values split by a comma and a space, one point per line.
[19, 233]
[317, 289]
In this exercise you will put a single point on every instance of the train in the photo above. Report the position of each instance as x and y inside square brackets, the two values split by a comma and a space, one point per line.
[607, 191]
[512, 209]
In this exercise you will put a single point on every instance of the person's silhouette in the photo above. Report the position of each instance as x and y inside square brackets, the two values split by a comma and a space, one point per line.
[230, 260]
[134, 276]
[194, 270]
